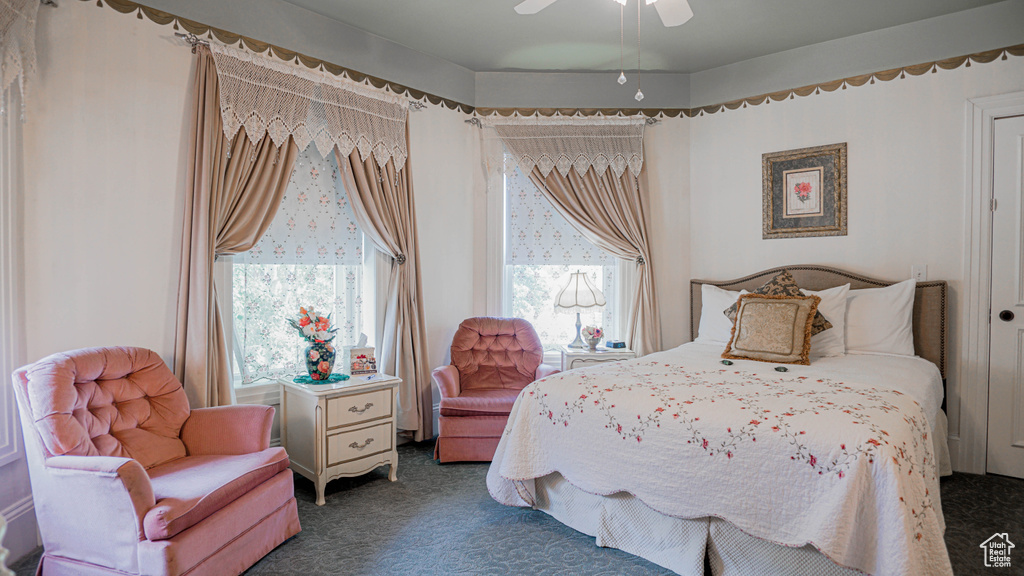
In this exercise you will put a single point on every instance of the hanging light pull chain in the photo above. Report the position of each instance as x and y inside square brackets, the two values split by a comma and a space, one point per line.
[622, 45]
[639, 95]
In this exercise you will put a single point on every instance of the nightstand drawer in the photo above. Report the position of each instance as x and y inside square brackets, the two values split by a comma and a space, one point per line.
[356, 444]
[348, 410]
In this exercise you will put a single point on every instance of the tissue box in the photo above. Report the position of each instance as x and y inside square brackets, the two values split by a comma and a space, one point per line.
[357, 360]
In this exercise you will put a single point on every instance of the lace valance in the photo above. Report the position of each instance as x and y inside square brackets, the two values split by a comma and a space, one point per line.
[17, 42]
[274, 97]
[570, 142]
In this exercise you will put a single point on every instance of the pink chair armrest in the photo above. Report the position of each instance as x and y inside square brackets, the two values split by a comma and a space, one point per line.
[104, 494]
[447, 379]
[228, 430]
[543, 371]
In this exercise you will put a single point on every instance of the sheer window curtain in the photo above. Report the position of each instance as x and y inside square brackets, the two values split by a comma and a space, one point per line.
[312, 255]
[382, 200]
[611, 211]
[591, 170]
[234, 190]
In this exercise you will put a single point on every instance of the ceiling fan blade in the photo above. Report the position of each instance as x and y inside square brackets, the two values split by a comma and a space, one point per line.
[533, 6]
[673, 12]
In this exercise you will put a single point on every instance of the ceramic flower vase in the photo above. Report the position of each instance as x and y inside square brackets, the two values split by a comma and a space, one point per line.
[320, 360]
[592, 343]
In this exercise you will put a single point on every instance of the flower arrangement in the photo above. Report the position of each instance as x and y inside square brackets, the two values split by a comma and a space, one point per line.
[313, 328]
[803, 191]
[593, 332]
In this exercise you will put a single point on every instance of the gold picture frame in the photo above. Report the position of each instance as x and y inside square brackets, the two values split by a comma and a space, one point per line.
[804, 192]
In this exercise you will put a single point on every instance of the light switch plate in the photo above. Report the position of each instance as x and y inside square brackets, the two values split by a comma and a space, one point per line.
[919, 272]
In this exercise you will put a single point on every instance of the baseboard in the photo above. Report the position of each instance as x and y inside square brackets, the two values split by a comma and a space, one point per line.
[22, 530]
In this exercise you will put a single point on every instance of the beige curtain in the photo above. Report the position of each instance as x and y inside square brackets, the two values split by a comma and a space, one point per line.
[382, 201]
[611, 211]
[233, 190]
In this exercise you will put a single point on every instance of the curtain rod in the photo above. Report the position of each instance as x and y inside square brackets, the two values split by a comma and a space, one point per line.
[193, 41]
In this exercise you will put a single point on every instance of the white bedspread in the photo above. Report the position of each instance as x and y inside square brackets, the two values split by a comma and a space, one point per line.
[836, 455]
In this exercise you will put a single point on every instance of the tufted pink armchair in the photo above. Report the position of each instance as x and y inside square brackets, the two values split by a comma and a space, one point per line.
[128, 480]
[492, 360]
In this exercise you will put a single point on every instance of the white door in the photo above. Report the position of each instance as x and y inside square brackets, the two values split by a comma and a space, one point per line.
[1006, 356]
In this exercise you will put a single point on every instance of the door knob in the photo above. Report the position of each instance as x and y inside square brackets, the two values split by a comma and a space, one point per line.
[1006, 315]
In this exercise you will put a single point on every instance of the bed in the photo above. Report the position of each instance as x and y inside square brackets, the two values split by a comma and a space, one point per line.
[830, 468]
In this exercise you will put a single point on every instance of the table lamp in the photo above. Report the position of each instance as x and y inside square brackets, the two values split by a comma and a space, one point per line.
[577, 295]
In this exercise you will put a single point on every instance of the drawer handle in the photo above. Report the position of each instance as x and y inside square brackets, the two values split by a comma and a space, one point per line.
[365, 408]
[364, 445]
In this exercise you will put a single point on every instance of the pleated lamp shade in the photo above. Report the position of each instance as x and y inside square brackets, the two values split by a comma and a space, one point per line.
[578, 294]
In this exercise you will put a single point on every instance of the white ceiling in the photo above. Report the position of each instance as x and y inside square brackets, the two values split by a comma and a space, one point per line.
[583, 35]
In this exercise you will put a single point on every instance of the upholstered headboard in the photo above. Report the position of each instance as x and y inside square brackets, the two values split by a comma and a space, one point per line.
[929, 302]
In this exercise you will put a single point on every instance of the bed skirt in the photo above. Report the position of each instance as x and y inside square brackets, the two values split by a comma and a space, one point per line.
[624, 522]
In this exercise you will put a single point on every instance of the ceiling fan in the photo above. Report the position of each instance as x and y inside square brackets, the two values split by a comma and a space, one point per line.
[672, 12]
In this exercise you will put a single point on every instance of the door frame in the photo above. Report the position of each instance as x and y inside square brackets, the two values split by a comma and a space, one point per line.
[969, 445]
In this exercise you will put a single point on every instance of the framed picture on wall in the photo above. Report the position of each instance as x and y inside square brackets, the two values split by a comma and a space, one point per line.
[804, 192]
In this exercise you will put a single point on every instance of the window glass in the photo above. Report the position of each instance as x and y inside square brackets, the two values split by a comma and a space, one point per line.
[541, 250]
[312, 256]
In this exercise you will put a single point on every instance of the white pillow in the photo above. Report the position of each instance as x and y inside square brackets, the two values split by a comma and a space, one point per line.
[715, 326]
[880, 320]
[831, 342]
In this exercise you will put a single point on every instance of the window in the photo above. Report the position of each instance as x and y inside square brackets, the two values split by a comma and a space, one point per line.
[541, 250]
[312, 255]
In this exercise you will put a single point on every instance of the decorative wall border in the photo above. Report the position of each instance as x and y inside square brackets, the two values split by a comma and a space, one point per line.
[227, 37]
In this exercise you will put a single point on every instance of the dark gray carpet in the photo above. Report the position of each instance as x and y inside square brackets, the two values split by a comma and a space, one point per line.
[440, 520]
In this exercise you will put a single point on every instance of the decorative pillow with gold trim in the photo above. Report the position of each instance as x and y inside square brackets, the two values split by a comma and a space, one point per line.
[783, 285]
[773, 328]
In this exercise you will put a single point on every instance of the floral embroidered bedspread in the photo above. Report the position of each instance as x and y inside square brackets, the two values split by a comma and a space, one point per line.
[844, 464]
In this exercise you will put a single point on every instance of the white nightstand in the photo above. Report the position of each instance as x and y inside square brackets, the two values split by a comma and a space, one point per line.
[580, 357]
[337, 430]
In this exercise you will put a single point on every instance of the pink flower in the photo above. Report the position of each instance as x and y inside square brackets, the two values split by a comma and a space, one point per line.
[812, 459]
[324, 367]
[314, 355]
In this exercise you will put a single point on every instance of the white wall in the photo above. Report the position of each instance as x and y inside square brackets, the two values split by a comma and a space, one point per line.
[906, 185]
[444, 152]
[104, 149]
[667, 160]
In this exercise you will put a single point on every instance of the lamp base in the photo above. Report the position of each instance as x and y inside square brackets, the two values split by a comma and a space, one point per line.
[578, 342]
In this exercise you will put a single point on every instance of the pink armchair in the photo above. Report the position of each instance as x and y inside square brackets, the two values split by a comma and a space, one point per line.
[492, 360]
[128, 480]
